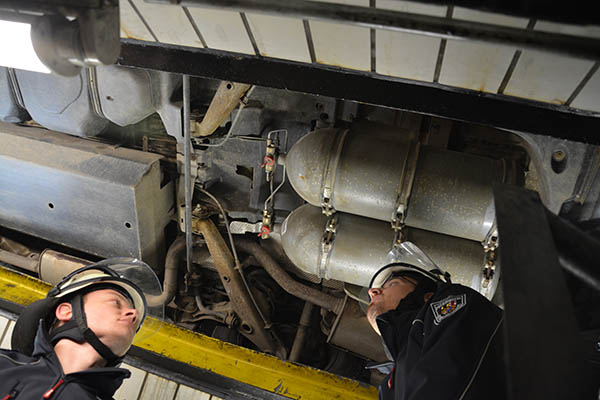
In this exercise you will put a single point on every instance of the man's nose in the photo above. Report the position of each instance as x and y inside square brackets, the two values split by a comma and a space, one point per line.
[132, 313]
[374, 292]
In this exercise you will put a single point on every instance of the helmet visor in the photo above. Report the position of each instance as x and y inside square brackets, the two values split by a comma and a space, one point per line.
[145, 280]
[407, 258]
[409, 253]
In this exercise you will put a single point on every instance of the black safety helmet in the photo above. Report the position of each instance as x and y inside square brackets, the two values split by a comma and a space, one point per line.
[130, 277]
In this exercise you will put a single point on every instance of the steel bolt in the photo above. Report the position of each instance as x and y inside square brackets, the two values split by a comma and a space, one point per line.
[559, 156]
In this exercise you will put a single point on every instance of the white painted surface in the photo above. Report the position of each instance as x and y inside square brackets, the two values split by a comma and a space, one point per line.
[407, 55]
[169, 24]
[131, 388]
[550, 77]
[478, 66]
[340, 44]
[187, 393]
[546, 77]
[132, 26]
[589, 97]
[5, 344]
[279, 37]
[158, 388]
[222, 30]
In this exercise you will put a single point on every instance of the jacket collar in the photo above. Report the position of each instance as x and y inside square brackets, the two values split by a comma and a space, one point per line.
[395, 325]
[103, 381]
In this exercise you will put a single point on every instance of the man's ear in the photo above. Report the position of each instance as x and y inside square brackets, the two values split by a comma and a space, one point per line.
[427, 296]
[64, 312]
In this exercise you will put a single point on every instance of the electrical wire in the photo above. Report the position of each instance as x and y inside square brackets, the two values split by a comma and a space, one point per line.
[222, 211]
[243, 103]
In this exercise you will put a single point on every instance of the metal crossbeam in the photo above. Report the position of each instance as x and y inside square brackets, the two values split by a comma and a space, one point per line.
[494, 110]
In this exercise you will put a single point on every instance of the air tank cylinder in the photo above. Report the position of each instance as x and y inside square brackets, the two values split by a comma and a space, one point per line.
[360, 247]
[372, 171]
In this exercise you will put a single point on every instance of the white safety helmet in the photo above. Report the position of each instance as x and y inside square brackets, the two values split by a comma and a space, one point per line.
[407, 259]
[130, 277]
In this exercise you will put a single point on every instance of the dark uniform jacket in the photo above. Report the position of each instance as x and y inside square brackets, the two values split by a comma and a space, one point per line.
[41, 376]
[450, 348]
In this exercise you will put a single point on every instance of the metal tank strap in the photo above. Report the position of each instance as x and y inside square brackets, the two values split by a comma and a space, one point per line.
[404, 190]
[330, 171]
[327, 242]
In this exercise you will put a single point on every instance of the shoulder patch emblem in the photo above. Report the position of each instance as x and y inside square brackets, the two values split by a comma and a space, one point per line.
[444, 308]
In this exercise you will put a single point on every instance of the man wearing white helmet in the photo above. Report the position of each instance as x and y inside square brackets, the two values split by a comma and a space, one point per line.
[69, 344]
[444, 340]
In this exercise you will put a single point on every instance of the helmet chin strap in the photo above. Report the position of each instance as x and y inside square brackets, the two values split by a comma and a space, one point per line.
[77, 330]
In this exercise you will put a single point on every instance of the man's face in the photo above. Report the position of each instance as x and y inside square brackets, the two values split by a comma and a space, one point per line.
[388, 297]
[112, 318]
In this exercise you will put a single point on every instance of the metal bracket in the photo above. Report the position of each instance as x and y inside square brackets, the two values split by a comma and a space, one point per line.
[327, 241]
[240, 227]
[490, 245]
[405, 186]
[330, 172]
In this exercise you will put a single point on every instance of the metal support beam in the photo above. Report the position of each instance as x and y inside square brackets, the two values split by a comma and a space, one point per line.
[378, 18]
[544, 350]
[494, 110]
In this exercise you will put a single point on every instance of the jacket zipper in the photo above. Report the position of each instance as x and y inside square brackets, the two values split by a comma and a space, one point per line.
[51, 391]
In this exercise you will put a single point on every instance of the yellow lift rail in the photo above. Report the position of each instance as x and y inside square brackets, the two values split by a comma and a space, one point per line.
[234, 362]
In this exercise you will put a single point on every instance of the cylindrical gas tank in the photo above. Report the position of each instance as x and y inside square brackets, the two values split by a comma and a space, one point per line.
[368, 171]
[360, 247]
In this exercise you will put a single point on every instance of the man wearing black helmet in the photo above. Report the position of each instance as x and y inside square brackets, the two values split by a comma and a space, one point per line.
[444, 340]
[67, 346]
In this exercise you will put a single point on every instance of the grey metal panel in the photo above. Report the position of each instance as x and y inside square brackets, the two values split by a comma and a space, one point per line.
[125, 94]
[85, 195]
[60, 103]
[128, 95]
[9, 110]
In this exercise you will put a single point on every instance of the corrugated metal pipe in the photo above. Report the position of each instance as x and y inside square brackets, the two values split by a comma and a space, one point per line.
[289, 284]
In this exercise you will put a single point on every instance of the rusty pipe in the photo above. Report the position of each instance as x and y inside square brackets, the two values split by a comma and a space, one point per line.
[303, 326]
[30, 264]
[289, 284]
[54, 265]
[174, 254]
[252, 324]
